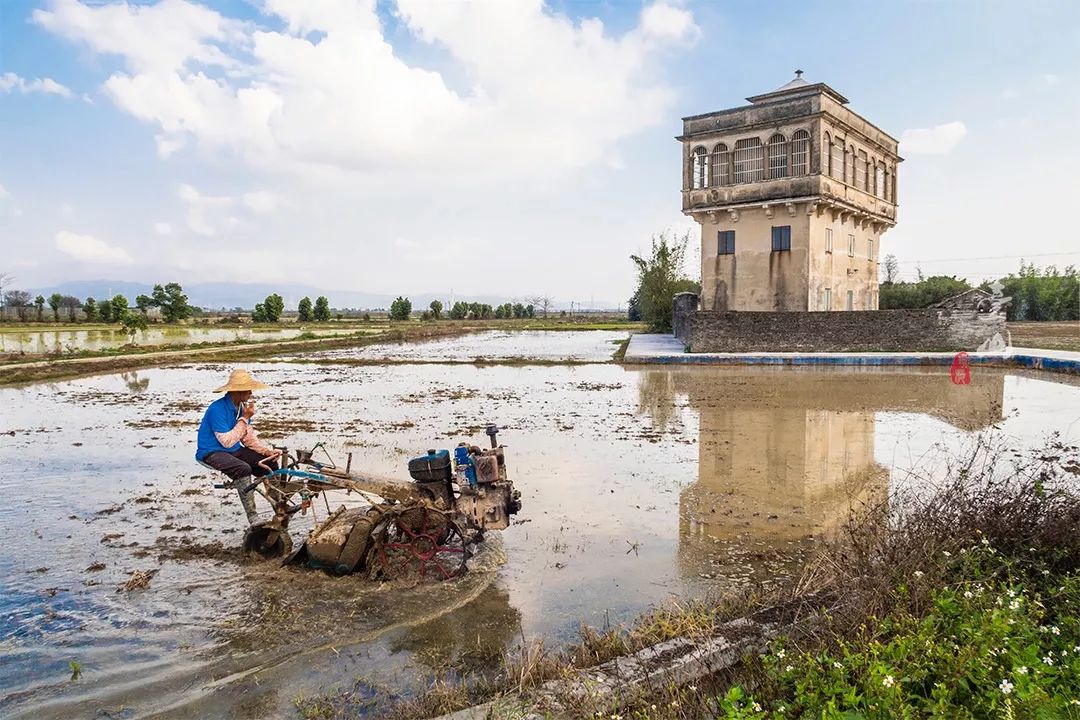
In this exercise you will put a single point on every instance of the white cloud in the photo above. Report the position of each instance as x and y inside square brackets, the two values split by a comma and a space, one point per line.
[90, 249]
[331, 91]
[66, 209]
[10, 82]
[665, 21]
[260, 201]
[938, 140]
[163, 228]
[4, 194]
[207, 215]
[1050, 79]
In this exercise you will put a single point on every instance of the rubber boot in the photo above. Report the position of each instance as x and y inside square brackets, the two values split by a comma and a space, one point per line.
[247, 499]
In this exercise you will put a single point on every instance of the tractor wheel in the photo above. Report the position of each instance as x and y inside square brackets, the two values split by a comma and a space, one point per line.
[265, 542]
[418, 543]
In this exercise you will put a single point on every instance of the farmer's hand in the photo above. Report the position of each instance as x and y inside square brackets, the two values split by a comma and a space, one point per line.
[249, 409]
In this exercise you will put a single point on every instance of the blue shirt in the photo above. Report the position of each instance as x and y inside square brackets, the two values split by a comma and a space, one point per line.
[220, 417]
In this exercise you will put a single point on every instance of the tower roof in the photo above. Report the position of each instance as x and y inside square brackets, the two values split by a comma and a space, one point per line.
[795, 88]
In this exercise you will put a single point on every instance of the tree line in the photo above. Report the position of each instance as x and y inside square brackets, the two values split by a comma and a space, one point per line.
[401, 309]
[1037, 294]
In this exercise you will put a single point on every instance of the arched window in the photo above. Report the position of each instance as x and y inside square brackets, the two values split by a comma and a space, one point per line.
[719, 165]
[699, 168]
[800, 153]
[838, 159]
[826, 157]
[749, 161]
[778, 157]
[879, 180]
[861, 175]
[849, 166]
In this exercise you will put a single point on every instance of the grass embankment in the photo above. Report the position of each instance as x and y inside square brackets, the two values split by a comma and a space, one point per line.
[65, 367]
[960, 604]
[1046, 335]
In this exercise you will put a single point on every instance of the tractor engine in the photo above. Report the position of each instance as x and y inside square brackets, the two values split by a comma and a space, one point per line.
[471, 481]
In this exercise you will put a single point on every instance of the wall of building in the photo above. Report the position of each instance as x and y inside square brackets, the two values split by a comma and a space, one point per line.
[871, 331]
[755, 277]
[837, 271]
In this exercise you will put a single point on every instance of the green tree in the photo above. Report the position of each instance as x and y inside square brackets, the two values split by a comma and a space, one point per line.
[39, 304]
[72, 304]
[436, 309]
[56, 301]
[459, 311]
[144, 303]
[924, 293]
[272, 307]
[91, 309]
[259, 313]
[304, 310]
[322, 308]
[173, 302]
[133, 322]
[530, 311]
[519, 310]
[401, 308]
[20, 300]
[119, 307]
[105, 310]
[660, 278]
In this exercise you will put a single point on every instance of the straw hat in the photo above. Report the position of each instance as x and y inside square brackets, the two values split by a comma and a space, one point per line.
[240, 380]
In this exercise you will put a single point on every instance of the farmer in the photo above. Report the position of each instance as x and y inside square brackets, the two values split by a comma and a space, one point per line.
[228, 443]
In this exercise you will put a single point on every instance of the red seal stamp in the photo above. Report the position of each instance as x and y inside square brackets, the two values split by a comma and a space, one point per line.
[961, 369]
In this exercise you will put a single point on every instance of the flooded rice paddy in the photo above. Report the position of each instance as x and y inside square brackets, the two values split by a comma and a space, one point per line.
[638, 483]
[68, 341]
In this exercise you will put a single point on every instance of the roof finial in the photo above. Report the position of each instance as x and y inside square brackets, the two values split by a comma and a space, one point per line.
[798, 74]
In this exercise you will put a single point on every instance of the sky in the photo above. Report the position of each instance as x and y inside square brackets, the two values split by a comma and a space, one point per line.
[498, 147]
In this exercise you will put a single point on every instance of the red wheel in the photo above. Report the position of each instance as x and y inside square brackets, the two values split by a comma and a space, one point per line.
[419, 543]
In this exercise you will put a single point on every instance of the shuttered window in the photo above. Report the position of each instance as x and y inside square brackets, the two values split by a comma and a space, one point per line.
[781, 238]
[725, 242]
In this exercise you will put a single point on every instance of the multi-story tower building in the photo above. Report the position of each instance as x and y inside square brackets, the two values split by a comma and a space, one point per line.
[793, 193]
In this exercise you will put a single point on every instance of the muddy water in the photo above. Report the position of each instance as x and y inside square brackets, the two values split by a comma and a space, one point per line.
[496, 345]
[637, 484]
[60, 341]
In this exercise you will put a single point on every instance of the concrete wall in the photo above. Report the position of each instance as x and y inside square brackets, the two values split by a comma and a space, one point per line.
[838, 271]
[873, 330]
[755, 277]
[682, 306]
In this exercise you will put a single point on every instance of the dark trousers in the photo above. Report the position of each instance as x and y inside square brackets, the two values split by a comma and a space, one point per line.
[240, 464]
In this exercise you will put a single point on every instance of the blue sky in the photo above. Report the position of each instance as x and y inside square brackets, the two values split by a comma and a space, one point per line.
[514, 148]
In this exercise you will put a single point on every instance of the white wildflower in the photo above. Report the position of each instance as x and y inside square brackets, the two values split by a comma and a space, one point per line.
[985, 541]
[1014, 605]
[836, 664]
[888, 681]
[780, 654]
[789, 668]
[1054, 629]
[947, 554]
[1022, 669]
[1010, 593]
[968, 594]
[757, 707]
[1047, 660]
[1005, 686]
[918, 573]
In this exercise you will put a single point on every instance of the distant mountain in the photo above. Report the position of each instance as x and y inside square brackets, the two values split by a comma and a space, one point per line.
[214, 296]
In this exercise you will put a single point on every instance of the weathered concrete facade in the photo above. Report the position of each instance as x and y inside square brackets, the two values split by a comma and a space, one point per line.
[932, 329]
[793, 193]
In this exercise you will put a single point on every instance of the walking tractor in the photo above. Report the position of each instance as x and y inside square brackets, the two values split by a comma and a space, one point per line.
[420, 529]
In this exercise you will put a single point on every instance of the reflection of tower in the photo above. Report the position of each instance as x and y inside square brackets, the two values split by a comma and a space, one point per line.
[785, 454]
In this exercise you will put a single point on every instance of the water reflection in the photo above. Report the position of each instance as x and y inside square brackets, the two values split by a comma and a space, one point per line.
[784, 456]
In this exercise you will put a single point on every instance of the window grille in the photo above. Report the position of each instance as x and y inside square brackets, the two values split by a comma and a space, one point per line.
[826, 156]
[851, 245]
[749, 161]
[838, 159]
[870, 249]
[725, 242]
[800, 153]
[781, 238]
[778, 157]
[879, 181]
[828, 299]
[828, 240]
[861, 172]
[849, 165]
[699, 170]
[719, 166]
[850, 300]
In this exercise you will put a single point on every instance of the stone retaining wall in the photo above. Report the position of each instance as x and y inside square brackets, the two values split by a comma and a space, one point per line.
[931, 329]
